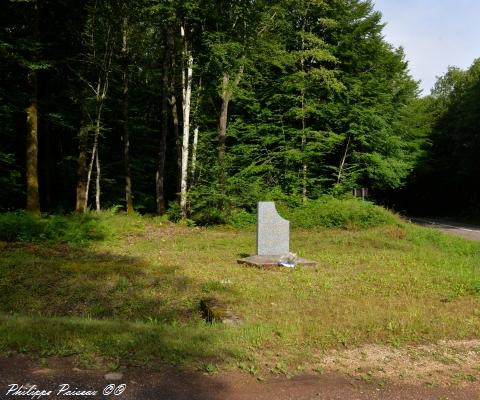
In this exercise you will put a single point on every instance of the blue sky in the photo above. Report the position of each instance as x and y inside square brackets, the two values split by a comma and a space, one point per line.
[434, 34]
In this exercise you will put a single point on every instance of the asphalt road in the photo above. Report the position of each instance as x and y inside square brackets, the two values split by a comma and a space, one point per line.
[467, 231]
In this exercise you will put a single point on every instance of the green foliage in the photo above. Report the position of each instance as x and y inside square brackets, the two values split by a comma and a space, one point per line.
[24, 226]
[325, 212]
[241, 219]
[330, 212]
[208, 216]
[318, 101]
[174, 213]
[449, 164]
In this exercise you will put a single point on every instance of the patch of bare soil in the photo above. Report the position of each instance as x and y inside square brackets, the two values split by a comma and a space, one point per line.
[155, 232]
[444, 363]
[52, 375]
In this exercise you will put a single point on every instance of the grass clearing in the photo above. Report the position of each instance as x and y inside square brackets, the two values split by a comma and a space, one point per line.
[133, 298]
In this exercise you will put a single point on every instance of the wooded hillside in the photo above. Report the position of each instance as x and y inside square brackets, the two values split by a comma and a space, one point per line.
[199, 107]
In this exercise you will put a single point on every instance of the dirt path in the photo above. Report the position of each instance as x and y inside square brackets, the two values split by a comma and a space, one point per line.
[465, 230]
[173, 384]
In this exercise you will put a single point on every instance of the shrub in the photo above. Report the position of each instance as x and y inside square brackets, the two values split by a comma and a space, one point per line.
[208, 216]
[241, 219]
[330, 212]
[174, 213]
[327, 212]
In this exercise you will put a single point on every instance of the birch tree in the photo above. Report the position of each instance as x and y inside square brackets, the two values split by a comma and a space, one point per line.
[187, 75]
[196, 130]
[98, 65]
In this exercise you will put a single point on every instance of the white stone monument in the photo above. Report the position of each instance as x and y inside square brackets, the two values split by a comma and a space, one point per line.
[273, 240]
[273, 231]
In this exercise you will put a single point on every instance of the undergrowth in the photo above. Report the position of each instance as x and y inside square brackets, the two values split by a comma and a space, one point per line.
[23, 226]
[325, 212]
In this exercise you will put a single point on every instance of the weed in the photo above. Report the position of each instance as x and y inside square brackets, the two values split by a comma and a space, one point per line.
[319, 370]
[252, 369]
[280, 368]
[210, 368]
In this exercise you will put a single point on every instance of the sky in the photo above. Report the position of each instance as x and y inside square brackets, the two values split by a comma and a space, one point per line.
[434, 34]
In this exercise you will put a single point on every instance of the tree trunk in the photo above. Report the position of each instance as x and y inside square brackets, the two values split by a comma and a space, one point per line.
[304, 138]
[97, 160]
[126, 133]
[33, 197]
[304, 143]
[173, 109]
[222, 133]
[187, 94]
[227, 93]
[97, 182]
[304, 178]
[90, 169]
[195, 131]
[194, 152]
[160, 176]
[343, 160]
[304, 182]
[176, 133]
[100, 96]
[81, 204]
[94, 151]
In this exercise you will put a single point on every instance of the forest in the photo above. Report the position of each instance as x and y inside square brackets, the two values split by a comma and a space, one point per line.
[199, 108]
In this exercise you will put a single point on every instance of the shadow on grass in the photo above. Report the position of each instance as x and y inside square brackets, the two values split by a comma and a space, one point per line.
[120, 343]
[243, 255]
[59, 300]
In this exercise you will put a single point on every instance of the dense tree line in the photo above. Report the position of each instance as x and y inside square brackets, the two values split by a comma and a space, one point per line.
[448, 120]
[199, 106]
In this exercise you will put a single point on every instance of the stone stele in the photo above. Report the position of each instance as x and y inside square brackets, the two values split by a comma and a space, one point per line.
[273, 232]
[273, 238]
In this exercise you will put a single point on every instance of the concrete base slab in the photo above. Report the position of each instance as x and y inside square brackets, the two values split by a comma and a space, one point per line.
[272, 261]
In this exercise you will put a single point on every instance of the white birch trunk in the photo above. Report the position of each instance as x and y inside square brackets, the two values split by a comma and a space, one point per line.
[194, 151]
[97, 161]
[97, 186]
[100, 94]
[89, 174]
[187, 95]
[342, 162]
[94, 156]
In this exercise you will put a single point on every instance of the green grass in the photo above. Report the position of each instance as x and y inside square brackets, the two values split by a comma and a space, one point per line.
[133, 298]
